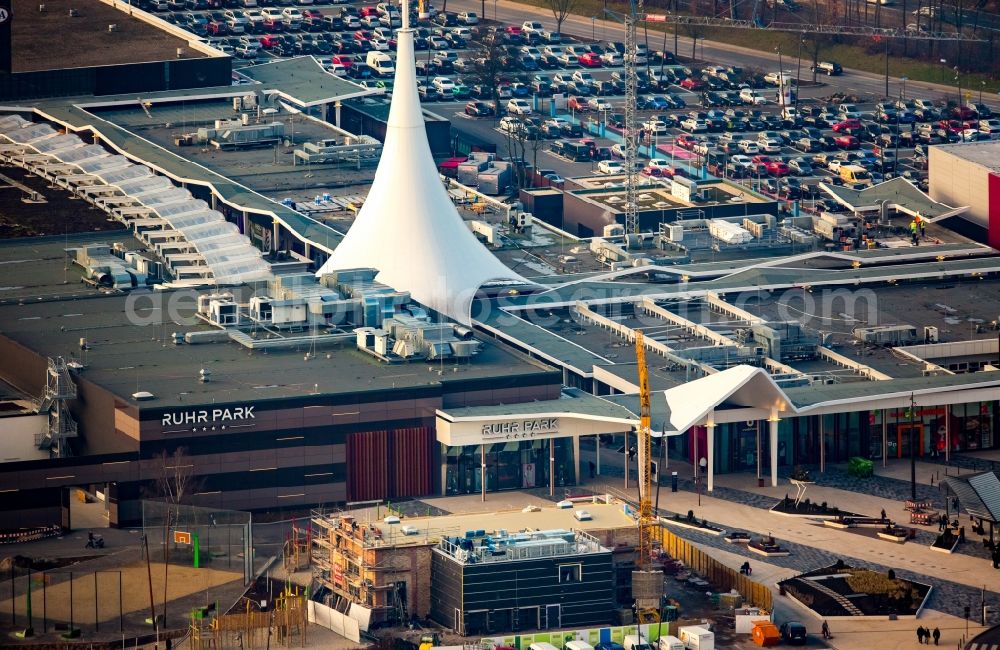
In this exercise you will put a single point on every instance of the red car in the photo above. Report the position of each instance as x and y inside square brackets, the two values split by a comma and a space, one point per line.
[342, 59]
[513, 30]
[846, 142]
[362, 36]
[778, 168]
[368, 11]
[312, 13]
[267, 41]
[217, 28]
[847, 125]
[578, 104]
[589, 60]
[692, 84]
[686, 141]
[956, 126]
[964, 113]
[761, 160]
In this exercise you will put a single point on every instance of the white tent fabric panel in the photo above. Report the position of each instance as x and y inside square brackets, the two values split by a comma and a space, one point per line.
[58, 143]
[408, 227]
[84, 153]
[29, 133]
[211, 230]
[169, 211]
[11, 122]
[132, 171]
[135, 185]
[100, 166]
[193, 218]
[163, 197]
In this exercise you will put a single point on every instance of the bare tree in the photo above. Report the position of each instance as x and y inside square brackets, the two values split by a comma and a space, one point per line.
[176, 481]
[515, 128]
[561, 9]
[488, 65]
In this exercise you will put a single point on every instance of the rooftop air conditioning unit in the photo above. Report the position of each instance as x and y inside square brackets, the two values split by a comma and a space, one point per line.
[930, 334]
[112, 27]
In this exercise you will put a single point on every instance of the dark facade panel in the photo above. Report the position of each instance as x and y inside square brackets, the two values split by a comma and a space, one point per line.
[485, 592]
[128, 78]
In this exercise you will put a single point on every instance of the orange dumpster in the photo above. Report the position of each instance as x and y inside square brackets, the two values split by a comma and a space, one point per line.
[765, 634]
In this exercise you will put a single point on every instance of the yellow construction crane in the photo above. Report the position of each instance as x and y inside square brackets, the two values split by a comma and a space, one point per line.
[647, 584]
[646, 519]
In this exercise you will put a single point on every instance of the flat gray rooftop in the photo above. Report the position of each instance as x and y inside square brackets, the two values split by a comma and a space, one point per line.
[125, 357]
[986, 154]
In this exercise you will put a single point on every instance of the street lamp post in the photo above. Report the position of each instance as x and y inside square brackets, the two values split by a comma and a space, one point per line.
[798, 71]
[593, 28]
[982, 84]
[958, 84]
[904, 80]
[781, 80]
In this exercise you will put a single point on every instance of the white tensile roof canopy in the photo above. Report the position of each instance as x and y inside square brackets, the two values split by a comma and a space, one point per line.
[408, 228]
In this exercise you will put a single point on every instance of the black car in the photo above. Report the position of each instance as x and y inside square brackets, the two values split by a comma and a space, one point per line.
[794, 633]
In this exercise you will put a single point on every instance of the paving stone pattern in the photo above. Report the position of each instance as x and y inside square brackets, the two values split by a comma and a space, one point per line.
[948, 597]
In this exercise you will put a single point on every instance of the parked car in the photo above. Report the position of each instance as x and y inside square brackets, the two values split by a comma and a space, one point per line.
[794, 633]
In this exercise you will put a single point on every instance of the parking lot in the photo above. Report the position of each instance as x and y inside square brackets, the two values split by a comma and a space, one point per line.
[566, 96]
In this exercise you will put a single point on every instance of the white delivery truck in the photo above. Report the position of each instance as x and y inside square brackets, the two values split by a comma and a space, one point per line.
[635, 642]
[670, 643]
[578, 645]
[695, 637]
[542, 646]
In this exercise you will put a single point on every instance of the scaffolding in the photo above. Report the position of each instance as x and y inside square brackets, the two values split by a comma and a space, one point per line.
[297, 550]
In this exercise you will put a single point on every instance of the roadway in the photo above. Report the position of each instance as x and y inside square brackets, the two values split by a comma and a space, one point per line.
[852, 82]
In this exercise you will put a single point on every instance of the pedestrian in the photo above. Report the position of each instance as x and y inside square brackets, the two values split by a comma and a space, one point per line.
[883, 514]
[923, 228]
[826, 631]
[913, 233]
[593, 469]
[920, 634]
[937, 635]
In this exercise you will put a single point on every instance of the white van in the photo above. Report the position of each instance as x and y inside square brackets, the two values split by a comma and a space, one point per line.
[578, 645]
[670, 643]
[696, 637]
[380, 63]
[542, 646]
[635, 642]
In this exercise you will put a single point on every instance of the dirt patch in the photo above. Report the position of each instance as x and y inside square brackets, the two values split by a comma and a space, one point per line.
[58, 215]
[134, 581]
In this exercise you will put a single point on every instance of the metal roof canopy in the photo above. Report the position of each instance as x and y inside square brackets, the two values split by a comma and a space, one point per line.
[898, 194]
[303, 82]
[978, 494]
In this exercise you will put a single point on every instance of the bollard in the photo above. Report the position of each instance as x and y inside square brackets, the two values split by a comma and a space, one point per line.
[673, 481]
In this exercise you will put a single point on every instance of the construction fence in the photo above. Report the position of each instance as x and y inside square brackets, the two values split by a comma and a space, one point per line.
[721, 576]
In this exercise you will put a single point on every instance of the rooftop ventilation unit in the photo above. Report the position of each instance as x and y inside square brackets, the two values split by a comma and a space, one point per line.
[888, 335]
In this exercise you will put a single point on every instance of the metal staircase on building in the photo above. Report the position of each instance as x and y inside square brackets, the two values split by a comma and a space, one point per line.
[59, 389]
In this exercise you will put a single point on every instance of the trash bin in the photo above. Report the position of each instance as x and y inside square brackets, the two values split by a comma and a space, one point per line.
[673, 481]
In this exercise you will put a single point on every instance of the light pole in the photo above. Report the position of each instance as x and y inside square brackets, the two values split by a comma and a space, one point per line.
[781, 80]
[904, 80]
[798, 71]
[958, 84]
[982, 84]
[593, 28]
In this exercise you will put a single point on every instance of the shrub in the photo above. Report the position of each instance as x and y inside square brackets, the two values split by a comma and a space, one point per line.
[822, 507]
[690, 515]
[805, 504]
[891, 574]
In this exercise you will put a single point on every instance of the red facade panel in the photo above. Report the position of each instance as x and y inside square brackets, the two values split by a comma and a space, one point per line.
[993, 220]
[411, 461]
[367, 473]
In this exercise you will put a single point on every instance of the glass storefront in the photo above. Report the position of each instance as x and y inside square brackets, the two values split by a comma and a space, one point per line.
[968, 427]
[509, 465]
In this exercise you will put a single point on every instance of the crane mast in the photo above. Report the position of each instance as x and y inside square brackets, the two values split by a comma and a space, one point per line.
[647, 583]
[631, 133]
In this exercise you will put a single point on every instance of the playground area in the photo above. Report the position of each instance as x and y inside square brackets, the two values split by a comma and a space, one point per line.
[92, 598]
